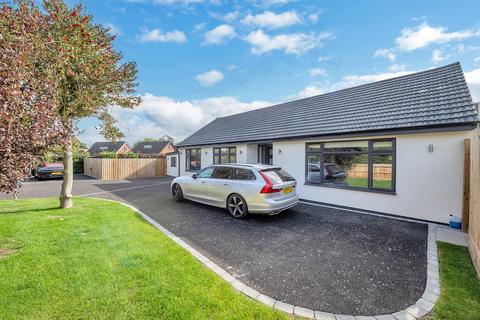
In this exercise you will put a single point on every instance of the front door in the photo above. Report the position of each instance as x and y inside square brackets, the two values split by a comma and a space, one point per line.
[265, 154]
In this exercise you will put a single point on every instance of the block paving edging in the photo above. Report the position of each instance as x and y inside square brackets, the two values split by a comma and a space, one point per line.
[423, 306]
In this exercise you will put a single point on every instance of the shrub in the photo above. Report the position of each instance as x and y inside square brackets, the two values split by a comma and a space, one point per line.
[107, 155]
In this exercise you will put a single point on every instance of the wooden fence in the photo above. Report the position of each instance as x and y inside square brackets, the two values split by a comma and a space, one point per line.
[472, 221]
[115, 169]
[380, 171]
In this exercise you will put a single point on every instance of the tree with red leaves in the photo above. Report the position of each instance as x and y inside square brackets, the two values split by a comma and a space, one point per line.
[56, 67]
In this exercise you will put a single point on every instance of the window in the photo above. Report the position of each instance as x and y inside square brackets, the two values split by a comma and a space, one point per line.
[223, 173]
[147, 146]
[243, 174]
[366, 164]
[193, 158]
[224, 155]
[103, 148]
[205, 173]
[173, 161]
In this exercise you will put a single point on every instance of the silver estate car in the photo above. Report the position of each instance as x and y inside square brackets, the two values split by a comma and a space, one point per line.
[241, 188]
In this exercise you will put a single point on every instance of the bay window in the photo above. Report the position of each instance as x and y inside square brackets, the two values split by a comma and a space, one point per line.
[363, 164]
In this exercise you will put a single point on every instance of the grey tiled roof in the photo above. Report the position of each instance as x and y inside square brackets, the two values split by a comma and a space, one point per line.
[433, 98]
[105, 146]
[154, 147]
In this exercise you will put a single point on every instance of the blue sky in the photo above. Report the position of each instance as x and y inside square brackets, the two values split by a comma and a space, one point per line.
[201, 59]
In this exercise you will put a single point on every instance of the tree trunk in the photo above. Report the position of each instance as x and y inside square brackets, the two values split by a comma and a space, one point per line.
[66, 200]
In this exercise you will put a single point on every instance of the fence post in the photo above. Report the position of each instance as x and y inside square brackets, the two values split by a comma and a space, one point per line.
[466, 185]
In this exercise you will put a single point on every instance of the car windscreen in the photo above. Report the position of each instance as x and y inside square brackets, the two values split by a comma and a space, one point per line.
[277, 176]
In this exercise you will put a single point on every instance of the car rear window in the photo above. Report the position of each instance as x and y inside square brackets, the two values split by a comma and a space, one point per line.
[278, 176]
[243, 174]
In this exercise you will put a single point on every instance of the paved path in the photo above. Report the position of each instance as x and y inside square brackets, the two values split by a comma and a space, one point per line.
[320, 258]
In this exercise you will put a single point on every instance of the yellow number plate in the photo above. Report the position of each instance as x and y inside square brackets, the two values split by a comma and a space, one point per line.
[56, 173]
[288, 190]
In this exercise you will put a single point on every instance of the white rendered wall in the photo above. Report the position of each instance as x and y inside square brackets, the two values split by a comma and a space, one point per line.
[172, 171]
[428, 185]
[252, 153]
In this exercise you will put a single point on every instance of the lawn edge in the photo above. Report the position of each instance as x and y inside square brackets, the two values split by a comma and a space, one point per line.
[423, 306]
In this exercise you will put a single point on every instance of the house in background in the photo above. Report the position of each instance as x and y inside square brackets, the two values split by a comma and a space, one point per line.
[154, 148]
[392, 147]
[119, 147]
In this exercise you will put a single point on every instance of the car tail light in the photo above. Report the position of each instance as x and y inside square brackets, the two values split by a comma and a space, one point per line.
[268, 188]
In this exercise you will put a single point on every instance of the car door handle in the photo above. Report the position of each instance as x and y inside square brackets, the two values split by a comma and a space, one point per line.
[226, 184]
[203, 181]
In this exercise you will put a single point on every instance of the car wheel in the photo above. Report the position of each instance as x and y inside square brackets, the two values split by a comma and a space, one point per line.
[177, 192]
[237, 206]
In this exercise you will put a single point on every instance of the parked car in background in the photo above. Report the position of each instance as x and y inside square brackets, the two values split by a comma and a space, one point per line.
[240, 188]
[331, 173]
[50, 171]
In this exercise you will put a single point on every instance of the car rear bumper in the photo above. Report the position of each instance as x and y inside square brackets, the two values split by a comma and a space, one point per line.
[271, 206]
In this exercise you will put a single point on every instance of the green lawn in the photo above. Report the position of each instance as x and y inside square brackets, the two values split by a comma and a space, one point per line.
[100, 260]
[460, 286]
[363, 183]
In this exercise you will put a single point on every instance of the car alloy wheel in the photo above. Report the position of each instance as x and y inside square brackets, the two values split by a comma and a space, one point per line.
[237, 206]
[177, 193]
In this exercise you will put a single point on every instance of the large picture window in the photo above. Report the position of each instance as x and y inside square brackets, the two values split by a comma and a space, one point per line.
[365, 164]
[224, 155]
[193, 159]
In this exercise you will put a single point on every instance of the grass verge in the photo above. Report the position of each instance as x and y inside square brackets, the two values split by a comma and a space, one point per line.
[99, 260]
[460, 287]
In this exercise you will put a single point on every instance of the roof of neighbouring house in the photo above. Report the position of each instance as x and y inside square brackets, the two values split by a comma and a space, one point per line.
[105, 146]
[433, 98]
[154, 147]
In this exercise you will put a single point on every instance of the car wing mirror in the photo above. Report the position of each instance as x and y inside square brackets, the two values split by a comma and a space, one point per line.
[194, 176]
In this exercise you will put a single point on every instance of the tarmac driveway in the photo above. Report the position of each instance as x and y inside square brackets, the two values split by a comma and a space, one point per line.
[316, 257]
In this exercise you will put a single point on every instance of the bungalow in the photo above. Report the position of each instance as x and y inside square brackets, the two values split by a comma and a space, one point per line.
[392, 147]
[119, 147]
[154, 148]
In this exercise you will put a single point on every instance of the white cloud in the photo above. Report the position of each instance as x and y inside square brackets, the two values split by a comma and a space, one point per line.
[269, 3]
[437, 56]
[272, 20]
[477, 59]
[159, 115]
[199, 27]
[156, 35]
[424, 35]
[219, 35]
[175, 2]
[293, 43]
[314, 72]
[113, 29]
[397, 67]
[228, 17]
[313, 17]
[308, 91]
[473, 81]
[209, 78]
[324, 58]
[385, 53]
